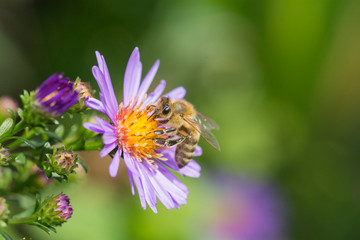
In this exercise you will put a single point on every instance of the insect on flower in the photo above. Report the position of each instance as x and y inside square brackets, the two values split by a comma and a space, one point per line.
[131, 134]
[186, 125]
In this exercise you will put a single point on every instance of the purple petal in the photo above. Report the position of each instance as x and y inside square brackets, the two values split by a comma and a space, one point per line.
[95, 104]
[108, 111]
[177, 93]
[173, 185]
[132, 76]
[109, 101]
[154, 96]
[114, 165]
[161, 193]
[129, 162]
[107, 127]
[140, 190]
[93, 127]
[144, 87]
[99, 60]
[154, 209]
[147, 186]
[198, 151]
[170, 155]
[171, 177]
[192, 169]
[100, 79]
[110, 95]
[111, 98]
[176, 204]
[108, 148]
[109, 137]
[131, 182]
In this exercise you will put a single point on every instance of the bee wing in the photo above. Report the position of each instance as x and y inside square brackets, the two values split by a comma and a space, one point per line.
[204, 132]
[205, 121]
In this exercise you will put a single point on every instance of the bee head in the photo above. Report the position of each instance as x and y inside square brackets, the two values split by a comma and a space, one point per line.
[162, 109]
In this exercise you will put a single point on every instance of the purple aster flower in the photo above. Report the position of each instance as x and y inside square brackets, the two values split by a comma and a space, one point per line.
[131, 132]
[56, 95]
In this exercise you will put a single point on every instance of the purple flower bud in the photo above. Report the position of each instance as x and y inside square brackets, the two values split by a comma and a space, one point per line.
[54, 211]
[56, 95]
[4, 211]
[63, 206]
[5, 156]
[64, 162]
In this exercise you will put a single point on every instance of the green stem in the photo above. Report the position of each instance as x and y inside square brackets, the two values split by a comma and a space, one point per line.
[28, 220]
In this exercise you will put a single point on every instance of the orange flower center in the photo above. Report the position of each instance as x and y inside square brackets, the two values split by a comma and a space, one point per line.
[136, 133]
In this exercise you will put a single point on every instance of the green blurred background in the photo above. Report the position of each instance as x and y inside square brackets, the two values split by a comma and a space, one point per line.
[281, 78]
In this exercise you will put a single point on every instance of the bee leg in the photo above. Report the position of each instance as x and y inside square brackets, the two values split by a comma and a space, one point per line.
[168, 130]
[173, 142]
[160, 141]
[164, 121]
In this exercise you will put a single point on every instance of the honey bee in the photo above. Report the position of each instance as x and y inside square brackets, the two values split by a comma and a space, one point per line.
[185, 126]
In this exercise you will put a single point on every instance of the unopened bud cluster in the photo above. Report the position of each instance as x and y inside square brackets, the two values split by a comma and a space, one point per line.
[54, 210]
[84, 91]
[63, 162]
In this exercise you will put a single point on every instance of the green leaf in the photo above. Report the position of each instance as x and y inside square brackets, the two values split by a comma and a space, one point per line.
[12, 114]
[46, 229]
[83, 165]
[20, 158]
[34, 143]
[37, 202]
[24, 214]
[60, 178]
[52, 136]
[60, 130]
[20, 113]
[47, 145]
[5, 235]
[6, 126]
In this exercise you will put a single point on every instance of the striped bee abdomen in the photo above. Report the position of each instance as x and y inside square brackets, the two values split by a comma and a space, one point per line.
[185, 150]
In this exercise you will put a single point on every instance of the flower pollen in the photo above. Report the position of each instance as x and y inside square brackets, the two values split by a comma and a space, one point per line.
[136, 133]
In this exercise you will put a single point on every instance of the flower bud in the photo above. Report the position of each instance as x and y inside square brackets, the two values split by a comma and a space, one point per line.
[84, 91]
[64, 162]
[55, 210]
[4, 211]
[5, 156]
[55, 95]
